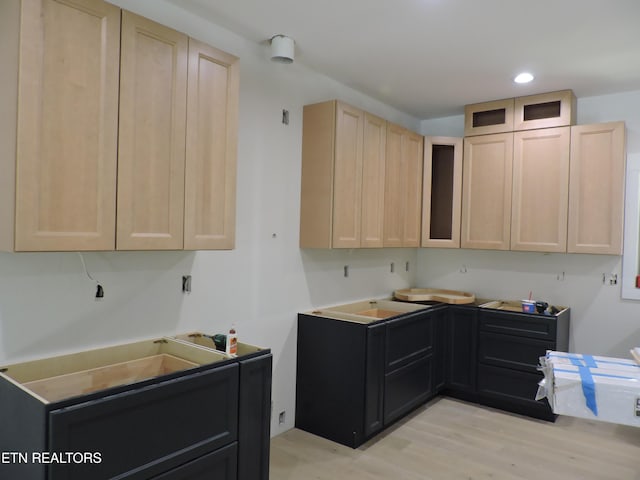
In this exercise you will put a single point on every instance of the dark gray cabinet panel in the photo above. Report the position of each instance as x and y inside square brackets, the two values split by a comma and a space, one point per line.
[330, 378]
[254, 425]
[408, 338]
[461, 352]
[146, 431]
[374, 381]
[218, 465]
[407, 388]
[509, 347]
[440, 319]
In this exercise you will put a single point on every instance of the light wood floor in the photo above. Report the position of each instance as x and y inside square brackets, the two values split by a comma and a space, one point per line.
[450, 439]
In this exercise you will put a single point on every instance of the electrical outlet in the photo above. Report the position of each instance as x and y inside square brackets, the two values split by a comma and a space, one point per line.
[281, 417]
[186, 284]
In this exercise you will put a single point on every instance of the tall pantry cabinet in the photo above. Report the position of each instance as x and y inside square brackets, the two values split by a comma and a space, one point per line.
[106, 104]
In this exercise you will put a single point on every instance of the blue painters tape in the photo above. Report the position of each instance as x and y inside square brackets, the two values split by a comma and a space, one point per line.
[596, 363]
[608, 375]
[588, 386]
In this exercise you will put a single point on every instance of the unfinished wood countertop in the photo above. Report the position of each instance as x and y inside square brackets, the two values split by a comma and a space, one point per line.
[434, 294]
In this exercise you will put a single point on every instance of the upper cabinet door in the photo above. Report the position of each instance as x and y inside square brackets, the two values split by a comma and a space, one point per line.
[540, 190]
[413, 150]
[211, 150]
[486, 191]
[151, 152]
[596, 192]
[373, 167]
[67, 126]
[442, 192]
[347, 181]
[403, 187]
[395, 187]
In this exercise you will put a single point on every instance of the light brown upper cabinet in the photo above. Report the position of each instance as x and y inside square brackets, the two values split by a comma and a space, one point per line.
[102, 108]
[442, 192]
[489, 117]
[554, 109]
[342, 195]
[403, 187]
[540, 190]
[151, 149]
[486, 191]
[211, 151]
[596, 191]
[60, 60]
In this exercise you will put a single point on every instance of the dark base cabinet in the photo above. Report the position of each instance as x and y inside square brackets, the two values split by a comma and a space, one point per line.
[509, 347]
[354, 379]
[154, 409]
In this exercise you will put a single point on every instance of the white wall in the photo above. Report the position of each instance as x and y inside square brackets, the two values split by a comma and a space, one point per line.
[46, 301]
[601, 322]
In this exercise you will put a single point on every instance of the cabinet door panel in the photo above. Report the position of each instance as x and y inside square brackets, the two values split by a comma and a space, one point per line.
[211, 150]
[511, 386]
[511, 352]
[596, 195]
[347, 182]
[374, 381]
[461, 371]
[394, 188]
[373, 167]
[408, 339]
[412, 149]
[151, 151]
[486, 191]
[540, 190]
[148, 430]
[442, 192]
[67, 126]
[406, 388]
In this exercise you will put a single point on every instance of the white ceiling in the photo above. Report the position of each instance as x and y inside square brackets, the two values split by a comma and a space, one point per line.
[429, 58]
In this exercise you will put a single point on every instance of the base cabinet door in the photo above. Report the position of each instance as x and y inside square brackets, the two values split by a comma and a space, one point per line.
[461, 371]
[218, 465]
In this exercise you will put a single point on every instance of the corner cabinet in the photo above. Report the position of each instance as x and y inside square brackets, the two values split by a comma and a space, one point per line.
[403, 188]
[596, 188]
[343, 171]
[105, 104]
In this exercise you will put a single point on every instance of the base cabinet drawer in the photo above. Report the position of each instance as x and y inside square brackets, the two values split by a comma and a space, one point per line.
[406, 388]
[145, 431]
[514, 387]
[218, 465]
[512, 352]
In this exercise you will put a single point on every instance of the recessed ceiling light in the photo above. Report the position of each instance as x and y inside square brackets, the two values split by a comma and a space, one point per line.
[523, 78]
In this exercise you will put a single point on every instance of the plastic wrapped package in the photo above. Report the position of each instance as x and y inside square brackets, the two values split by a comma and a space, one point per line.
[591, 387]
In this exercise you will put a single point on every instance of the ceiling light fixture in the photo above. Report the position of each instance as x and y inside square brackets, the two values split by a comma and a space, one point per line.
[523, 77]
[282, 49]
